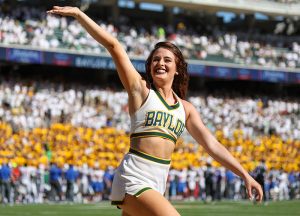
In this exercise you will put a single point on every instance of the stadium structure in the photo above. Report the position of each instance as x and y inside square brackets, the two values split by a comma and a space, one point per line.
[62, 104]
[201, 17]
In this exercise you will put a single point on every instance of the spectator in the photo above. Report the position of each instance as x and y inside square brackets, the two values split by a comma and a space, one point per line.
[5, 179]
[55, 174]
[71, 176]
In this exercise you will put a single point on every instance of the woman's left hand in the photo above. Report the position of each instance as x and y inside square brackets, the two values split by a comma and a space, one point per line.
[254, 189]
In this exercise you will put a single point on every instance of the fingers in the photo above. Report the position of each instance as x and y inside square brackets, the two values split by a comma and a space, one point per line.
[259, 197]
[58, 9]
[53, 9]
[255, 192]
[259, 194]
[64, 11]
[249, 192]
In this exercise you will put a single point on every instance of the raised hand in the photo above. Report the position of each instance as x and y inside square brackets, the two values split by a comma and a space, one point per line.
[65, 11]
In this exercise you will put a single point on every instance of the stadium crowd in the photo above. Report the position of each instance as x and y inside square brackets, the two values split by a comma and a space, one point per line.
[62, 142]
[33, 27]
[288, 1]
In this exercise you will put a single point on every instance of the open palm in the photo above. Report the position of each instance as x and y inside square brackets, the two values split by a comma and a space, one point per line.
[65, 11]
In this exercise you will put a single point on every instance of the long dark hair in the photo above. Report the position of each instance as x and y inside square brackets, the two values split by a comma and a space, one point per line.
[181, 81]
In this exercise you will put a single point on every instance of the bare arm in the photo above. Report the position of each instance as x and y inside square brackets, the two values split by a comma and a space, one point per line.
[202, 135]
[130, 78]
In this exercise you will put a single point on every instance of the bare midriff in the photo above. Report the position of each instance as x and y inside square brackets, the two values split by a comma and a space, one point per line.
[155, 146]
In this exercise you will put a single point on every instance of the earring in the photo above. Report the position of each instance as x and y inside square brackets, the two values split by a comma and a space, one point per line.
[176, 73]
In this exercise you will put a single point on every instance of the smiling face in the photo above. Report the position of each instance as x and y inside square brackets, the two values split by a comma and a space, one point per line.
[163, 65]
[166, 65]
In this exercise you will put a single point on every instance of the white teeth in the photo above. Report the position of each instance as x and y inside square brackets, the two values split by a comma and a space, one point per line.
[160, 71]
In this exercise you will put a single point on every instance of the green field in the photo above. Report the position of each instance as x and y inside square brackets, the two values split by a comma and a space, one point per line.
[225, 208]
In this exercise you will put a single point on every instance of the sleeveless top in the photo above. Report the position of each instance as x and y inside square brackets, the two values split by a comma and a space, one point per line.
[157, 118]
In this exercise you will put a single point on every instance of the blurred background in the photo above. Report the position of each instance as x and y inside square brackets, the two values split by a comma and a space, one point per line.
[64, 123]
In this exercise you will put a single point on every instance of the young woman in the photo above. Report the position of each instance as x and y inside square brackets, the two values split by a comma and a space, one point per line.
[159, 115]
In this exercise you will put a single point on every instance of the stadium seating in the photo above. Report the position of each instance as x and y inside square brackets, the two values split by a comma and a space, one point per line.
[32, 27]
[43, 122]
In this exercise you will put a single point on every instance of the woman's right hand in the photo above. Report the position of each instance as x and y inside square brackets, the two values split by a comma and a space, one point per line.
[65, 11]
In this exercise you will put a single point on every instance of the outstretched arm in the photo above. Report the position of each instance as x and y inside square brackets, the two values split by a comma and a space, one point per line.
[130, 78]
[202, 135]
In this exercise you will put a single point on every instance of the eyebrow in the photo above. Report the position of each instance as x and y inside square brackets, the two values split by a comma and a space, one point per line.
[165, 57]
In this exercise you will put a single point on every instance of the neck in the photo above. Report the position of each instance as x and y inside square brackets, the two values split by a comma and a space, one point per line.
[165, 91]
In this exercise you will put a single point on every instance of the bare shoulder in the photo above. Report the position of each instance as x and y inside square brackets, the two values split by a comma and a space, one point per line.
[186, 104]
[188, 107]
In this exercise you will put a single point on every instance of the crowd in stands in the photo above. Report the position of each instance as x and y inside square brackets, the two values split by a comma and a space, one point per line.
[33, 27]
[288, 1]
[29, 105]
[47, 129]
[62, 143]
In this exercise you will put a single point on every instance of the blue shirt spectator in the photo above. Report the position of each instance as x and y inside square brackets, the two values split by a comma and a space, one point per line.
[5, 173]
[292, 178]
[71, 174]
[55, 173]
[230, 176]
[109, 174]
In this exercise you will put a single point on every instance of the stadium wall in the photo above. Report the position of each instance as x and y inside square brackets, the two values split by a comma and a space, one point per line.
[20, 54]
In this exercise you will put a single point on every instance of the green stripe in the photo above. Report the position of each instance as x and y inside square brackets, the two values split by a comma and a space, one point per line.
[117, 202]
[149, 157]
[141, 191]
[175, 106]
[145, 134]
